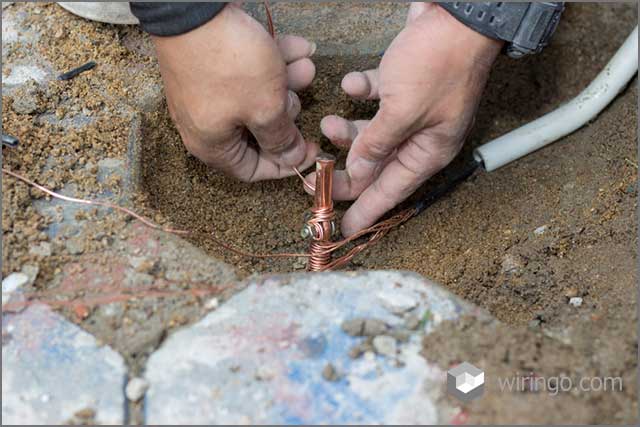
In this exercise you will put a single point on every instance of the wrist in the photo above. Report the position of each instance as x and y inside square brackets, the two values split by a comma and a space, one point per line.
[482, 49]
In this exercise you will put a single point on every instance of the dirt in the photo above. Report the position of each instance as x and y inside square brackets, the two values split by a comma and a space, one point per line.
[520, 241]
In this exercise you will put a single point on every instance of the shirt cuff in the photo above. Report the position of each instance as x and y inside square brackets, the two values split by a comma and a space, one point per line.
[173, 18]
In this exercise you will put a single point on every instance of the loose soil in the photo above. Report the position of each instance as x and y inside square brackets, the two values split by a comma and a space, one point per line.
[520, 241]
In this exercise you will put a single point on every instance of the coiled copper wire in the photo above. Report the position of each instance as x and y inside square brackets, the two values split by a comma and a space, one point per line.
[321, 225]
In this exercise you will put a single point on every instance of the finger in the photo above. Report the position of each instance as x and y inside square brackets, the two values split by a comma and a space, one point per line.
[361, 85]
[341, 132]
[240, 160]
[413, 164]
[276, 133]
[268, 168]
[295, 106]
[295, 47]
[374, 144]
[343, 187]
[300, 74]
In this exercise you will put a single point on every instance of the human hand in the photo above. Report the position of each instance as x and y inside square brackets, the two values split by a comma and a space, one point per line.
[429, 83]
[228, 80]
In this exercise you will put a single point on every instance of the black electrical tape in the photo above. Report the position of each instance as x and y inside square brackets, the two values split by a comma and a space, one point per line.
[443, 189]
[76, 71]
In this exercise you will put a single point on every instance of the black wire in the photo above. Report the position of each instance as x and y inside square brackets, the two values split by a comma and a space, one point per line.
[76, 71]
[443, 189]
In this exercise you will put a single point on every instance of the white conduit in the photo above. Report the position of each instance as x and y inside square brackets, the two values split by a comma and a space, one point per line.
[567, 118]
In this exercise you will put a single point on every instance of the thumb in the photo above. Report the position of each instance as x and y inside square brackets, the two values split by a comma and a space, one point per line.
[277, 134]
[371, 148]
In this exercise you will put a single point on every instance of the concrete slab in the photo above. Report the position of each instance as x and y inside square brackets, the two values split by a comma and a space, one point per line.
[278, 353]
[53, 372]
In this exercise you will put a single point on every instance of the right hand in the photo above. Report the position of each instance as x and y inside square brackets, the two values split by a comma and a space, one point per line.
[229, 79]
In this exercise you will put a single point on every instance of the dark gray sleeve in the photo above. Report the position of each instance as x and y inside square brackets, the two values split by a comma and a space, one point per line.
[173, 18]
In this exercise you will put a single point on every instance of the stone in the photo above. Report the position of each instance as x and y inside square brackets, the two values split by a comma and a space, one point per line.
[26, 99]
[330, 373]
[31, 270]
[540, 230]
[374, 327]
[412, 321]
[142, 264]
[353, 327]
[511, 264]
[12, 283]
[385, 345]
[43, 249]
[136, 388]
[272, 342]
[212, 304]
[75, 246]
[575, 301]
[396, 302]
[52, 369]
[360, 327]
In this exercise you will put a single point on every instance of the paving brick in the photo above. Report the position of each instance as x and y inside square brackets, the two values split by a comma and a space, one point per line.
[52, 370]
[262, 356]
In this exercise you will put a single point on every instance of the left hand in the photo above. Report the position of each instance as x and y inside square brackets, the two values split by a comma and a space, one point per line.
[429, 83]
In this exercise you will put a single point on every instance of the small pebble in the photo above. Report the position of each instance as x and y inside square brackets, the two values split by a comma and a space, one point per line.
[397, 303]
[31, 270]
[264, 373]
[43, 249]
[330, 373]
[142, 264]
[300, 264]
[11, 283]
[85, 413]
[385, 345]
[136, 388]
[212, 304]
[511, 263]
[540, 230]
[575, 301]
[374, 327]
[361, 348]
[412, 322]
[75, 246]
[353, 327]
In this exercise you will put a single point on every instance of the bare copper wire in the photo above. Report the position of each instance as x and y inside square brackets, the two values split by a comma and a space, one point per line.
[148, 222]
[322, 224]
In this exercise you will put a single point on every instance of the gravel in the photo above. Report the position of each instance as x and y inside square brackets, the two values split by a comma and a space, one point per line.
[385, 345]
[136, 388]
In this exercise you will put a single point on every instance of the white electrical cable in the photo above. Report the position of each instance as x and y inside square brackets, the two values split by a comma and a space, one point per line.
[567, 118]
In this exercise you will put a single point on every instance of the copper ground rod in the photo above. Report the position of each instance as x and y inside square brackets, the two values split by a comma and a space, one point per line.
[321, 225]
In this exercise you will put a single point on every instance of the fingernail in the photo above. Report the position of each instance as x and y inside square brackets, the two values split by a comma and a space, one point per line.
[313, 48]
